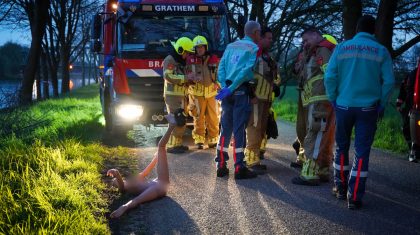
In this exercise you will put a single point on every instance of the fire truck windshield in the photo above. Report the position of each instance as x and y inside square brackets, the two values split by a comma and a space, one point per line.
[155, 34]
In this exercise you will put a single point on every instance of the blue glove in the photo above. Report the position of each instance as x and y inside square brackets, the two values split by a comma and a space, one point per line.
[223, 93]
[381, 111]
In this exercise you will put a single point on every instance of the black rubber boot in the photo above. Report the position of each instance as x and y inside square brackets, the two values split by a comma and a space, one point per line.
[340, 194]
[244, 173]
[222, 171]
[354, 205]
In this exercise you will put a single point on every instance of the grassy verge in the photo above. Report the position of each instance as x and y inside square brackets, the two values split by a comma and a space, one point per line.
[50, 178]
[388, 136]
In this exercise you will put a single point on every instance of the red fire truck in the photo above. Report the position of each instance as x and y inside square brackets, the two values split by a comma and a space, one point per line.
[134, 36]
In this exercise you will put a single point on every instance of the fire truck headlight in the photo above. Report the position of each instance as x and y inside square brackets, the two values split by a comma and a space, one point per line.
[130, 111]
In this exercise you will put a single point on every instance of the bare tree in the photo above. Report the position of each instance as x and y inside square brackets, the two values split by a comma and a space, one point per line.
[51, 46]
[394, 17]
[406, 22]
[36, 15]
[69, 19]
[385, 22]
[352, 11]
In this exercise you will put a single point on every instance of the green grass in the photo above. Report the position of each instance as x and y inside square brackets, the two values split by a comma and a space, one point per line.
[286, 108]
[388, 135]
[50, 179]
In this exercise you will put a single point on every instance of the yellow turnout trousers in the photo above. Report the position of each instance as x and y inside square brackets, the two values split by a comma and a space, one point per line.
[319, 141]
[256, 131]
[205, 116]
[302, 116]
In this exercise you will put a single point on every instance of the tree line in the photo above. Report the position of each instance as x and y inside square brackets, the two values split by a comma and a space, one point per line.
[12, 60]
[60, 28]
[60, 33]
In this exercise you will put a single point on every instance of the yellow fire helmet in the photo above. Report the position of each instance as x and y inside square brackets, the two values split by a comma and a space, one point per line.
[200, 41]
[183, 44]
[330, 38]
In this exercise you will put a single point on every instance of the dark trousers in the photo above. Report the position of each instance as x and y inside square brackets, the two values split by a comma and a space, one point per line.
[364, 120]
[235, 113]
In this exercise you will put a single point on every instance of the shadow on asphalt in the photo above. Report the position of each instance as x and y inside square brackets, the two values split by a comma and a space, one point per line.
[136, 221]
[319, 200]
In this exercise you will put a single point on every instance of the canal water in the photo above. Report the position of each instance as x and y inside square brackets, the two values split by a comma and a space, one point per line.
[9, 90]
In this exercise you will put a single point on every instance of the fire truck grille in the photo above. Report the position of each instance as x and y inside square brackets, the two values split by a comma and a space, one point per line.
[146, 89]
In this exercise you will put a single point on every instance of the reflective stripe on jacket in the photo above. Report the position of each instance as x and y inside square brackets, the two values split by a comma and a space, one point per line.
[204, 77]
[174, 77]
[265, 73]
[313, 87]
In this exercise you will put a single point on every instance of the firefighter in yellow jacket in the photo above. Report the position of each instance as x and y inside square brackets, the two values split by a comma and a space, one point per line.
[302, 111]
[174, 88]
[265, 73]
[320, 123]
[202, 68]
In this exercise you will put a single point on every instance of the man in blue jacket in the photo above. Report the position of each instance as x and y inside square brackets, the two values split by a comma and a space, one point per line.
[234, 73]
[358, 82]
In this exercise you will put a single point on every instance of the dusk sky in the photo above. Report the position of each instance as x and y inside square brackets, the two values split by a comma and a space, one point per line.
[17, 36]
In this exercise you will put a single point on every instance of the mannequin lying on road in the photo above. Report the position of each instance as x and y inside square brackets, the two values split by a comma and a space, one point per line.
[146, 190]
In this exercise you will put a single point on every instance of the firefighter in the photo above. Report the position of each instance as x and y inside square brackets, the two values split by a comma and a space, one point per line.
[174, 88]
[302, 112]
[319, 139]
[202, 104]
[234, 73]
[404, 104]
[265, 73]
[359, 81]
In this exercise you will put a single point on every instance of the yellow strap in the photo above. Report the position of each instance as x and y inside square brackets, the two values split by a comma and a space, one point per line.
[174, 89]
[313, 99]
[262, 91]
[199, 89]
[307, 96]
[179, 77]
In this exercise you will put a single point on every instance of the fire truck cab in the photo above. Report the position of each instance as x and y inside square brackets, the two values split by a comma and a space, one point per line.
[133, 37]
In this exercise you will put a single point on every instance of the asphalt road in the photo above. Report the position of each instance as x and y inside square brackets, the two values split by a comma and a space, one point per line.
[200, 203]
